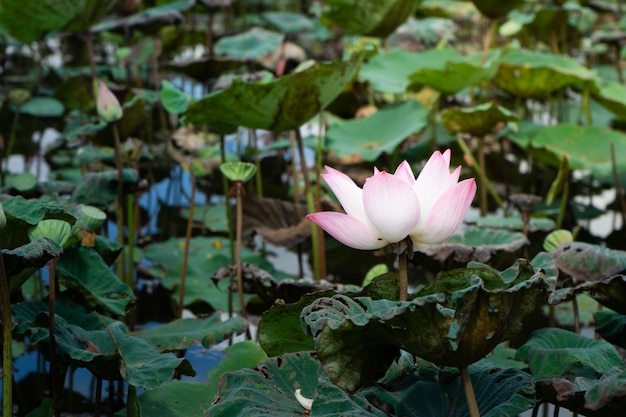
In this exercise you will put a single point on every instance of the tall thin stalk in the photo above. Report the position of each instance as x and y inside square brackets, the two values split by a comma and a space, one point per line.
[119, 211]
[7, 355]
[238, 186]
[404, 275]
[183, 273]
[52, 341]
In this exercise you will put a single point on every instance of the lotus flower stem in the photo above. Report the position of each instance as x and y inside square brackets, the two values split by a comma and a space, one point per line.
[487, 184]
[469, 393]
[321, 260]
[618, 184]
[7, 355]
[183, 272]
[404, 275]
[563, 206]
[119, 204]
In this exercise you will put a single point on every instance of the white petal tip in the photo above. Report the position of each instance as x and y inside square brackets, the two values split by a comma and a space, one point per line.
[306, 403]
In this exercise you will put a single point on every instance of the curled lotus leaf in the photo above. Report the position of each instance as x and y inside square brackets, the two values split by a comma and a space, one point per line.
[610, 292]
[279, 105]
[477, 120]
[530, 74]
[377, 18]
[462, 317]
[278, 222]
[495, 9]
[476, 244]
[604, 397]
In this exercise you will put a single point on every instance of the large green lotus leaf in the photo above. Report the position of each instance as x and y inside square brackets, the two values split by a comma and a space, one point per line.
[448, 71]
[495, 9]
[280, 105]
[531, 74]
[288, 22]
[25, 313]
[241, 355]
[149, 20]
[585, 147]
[43, 107]
[206, 257]
[113, 354]
[461, 318]
[542, 224]
[252, 44]
[612, 97]
[612, 327]
[589, 262]
[83, 270]
[174, 100]
[100, 189]
[368, 17]
[554, 352]
[176, 399]
[33, 20]
[20, 263]
[280, 329]
[389, 72]
[476, 244]
[268, 390]
[183, 333]
[477, 120]
[603, 397]
[382, 132]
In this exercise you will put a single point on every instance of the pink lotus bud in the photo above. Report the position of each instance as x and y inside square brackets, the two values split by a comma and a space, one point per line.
[109, 108]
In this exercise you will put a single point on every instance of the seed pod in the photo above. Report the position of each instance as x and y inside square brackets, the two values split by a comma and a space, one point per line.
[58, 230]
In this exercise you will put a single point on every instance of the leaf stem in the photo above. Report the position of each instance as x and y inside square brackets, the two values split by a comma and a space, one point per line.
[52, 341]
[7, 355]
[183, 273]
[238, 233]
[469, 393]
[119, 210]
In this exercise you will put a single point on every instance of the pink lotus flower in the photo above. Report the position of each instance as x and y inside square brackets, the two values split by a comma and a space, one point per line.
[391, 207]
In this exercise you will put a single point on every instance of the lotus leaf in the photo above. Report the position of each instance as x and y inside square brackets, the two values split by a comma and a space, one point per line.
[252, 44]
[83, 270]
[531, 74]
[150, 20]
[43, 107]
[32, 21]
[279, 105]
[613, 97]
[173, 100]
[183, 333]
[495, 9]
[462, 317]
[287, 22]
[477, 120]
[113, 354]
[20, 263]
[610, 292]
[476, 244]
[516, 223]
[376, 18]
[585, 147]
[589, 262]
[165, 400]
[553, 352]
[448, 71]
[383, 131]
[612, 327]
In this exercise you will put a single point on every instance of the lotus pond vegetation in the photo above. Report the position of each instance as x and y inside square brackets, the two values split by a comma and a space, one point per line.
[241, 208]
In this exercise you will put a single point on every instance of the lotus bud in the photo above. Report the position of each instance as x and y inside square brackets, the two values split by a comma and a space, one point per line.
[3, 217]
[58, 230]
[109, 108]
[238, 171]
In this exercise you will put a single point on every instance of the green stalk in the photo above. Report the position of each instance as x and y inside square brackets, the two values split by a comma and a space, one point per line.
[318, 197]
[119, 204]
[469, 393]
[130, 209]
[52, 341]
[563, 206]
[7, 355]
[238, 236]
[183, 273]
[404, 275]
[488, 184]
